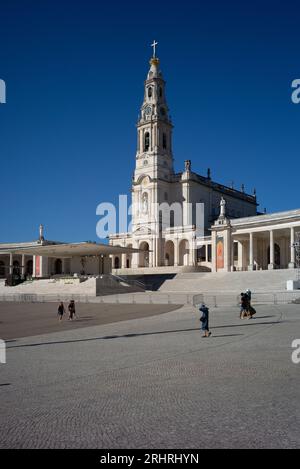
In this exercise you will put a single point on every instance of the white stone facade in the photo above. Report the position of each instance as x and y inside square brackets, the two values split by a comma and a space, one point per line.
[156, 188]
[255, 243]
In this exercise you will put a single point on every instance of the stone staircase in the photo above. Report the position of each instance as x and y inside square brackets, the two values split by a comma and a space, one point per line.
[93, 286]
[230, 282]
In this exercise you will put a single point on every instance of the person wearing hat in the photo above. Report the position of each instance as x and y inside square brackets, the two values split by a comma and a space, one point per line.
[204, 319]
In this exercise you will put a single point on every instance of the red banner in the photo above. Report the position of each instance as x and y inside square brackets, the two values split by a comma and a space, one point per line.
[37, 266]
[220, 253]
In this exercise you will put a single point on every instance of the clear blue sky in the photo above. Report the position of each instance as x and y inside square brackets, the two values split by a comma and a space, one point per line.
[75, 71]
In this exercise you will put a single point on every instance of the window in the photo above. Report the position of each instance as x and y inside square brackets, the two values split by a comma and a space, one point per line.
[164, 141]
[172, 219]
[147, 141]
[149, 92]
[160, 92]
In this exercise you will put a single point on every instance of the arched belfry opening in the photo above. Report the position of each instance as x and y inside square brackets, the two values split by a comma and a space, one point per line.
[147, 141]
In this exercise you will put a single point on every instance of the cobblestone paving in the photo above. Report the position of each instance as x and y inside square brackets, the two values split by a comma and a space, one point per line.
[28, 319]
[156, 383]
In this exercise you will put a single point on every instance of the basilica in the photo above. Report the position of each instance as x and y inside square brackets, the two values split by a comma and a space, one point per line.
[230, 235]
[181, 221]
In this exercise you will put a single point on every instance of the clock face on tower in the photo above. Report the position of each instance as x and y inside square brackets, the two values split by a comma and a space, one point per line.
[148, 110]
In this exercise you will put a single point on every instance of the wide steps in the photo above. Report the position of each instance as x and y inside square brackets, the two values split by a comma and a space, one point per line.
[274, 280]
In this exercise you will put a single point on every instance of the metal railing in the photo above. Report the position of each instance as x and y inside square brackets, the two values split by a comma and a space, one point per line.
[136, 283]
[273, 298]
[213, 301]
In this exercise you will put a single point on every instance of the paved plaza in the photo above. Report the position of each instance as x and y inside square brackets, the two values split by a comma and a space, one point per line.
[147, 379]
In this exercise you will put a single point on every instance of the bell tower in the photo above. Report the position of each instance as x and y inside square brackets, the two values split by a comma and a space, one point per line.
[153, 175]
[154, 128]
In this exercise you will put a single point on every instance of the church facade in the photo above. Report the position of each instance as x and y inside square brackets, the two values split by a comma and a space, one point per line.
[181, 221]
[230, 234]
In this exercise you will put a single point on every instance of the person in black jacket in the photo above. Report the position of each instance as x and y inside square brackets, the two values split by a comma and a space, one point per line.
[204, 319]
[244, 305]
[72, 311]
[60, 311]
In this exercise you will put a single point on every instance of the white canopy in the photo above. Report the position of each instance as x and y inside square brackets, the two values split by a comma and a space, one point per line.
[71, 250]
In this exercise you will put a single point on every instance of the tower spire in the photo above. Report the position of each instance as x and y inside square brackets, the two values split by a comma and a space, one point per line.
[154, 127]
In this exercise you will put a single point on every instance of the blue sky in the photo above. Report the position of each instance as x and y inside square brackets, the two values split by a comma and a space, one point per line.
[74, 73]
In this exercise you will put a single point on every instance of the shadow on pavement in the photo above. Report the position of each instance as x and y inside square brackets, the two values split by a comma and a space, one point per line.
[110, 337]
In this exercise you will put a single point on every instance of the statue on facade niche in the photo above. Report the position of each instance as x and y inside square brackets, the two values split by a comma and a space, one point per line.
[187, 165]
[222, 207]
[145, 203]
[41, 233]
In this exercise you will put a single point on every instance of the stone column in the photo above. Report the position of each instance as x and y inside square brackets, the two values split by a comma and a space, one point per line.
[255, 253]
[11, 261]
[151, 253]
[271, 265]
[186, 208]
[251, 257]
[23, 265]
[206, 252]
[176, 252]
[135, 256]
[213, 251]
[44, 266]
[240, 255]
[193, 252]
[292, 241]
[232, 257]
[123, 262]
[227, 250]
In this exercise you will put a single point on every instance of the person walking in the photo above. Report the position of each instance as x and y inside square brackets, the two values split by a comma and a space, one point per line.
[71, 308]
[244, 305]
[60, 311]
[251, 311]
[204, 319]
[249, 294]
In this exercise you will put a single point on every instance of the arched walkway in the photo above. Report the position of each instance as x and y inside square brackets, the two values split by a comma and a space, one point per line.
[117, 262]
[184, 252]
[169, 253]
[144, 256]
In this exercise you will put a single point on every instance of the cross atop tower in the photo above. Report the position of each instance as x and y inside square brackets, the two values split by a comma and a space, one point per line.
[154, 47]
